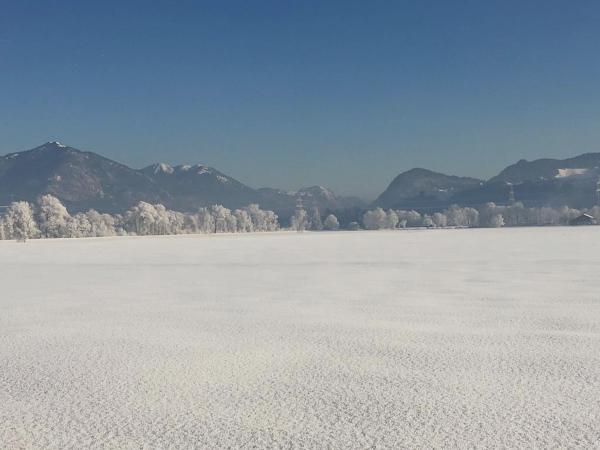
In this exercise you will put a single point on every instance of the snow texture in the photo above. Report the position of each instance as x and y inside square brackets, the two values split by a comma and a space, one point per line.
[565, 173]
[164, 168]
[389, 339]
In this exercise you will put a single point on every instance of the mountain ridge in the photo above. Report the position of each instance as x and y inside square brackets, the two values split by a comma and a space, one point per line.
[541, 182]
[84, 180]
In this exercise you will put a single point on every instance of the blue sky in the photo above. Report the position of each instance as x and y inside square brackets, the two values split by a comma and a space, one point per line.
[295, 93]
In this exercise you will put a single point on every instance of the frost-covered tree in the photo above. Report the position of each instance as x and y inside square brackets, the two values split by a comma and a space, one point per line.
[256, 216]
[487, 215]
[462, 217]
[271, 221]
[145, 219]
[119, 222]
[516, 215]
[471, 217]
[220, 218]
[231, 222]
[391, 219]
[409, 218]
[548, 216]
[79, 226]
[428, 221]
[375, 219]
[331, 223]
[206, 222]
[244, 221]
[496, 221]
[141, 219]
[190, 223]
[440, 220]
[91, 224]
[162, 223]
[53, 217]
[314, 219]
[262, 220]
[299, 221]
[19, 222]
[101, 224]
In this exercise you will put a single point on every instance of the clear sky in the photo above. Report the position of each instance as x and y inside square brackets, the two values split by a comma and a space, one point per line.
[294, 93]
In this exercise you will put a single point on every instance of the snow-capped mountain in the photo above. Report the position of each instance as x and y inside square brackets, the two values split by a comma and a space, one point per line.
[83, 180]
[192, 186]
[547, 169]
[80, 179]
[543, 182]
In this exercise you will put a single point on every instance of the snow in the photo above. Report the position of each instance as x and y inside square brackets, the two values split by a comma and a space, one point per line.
[564, 173]
[200, 169]
[399, 339]
[318, 190]
[163, 168]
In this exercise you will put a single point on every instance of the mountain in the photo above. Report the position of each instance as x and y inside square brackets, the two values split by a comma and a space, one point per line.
[422, 188]
[543, 182]
[552, 182]
[80, 179]
[549, 169]
[193, 186]
[323, 198]
[84, 180]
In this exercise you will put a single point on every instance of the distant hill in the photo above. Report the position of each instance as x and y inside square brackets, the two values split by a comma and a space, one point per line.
[549, 169]
[193, 186]
[551, 182]
[315, 196]
[83, 180]
[422, 188]
[80, 179]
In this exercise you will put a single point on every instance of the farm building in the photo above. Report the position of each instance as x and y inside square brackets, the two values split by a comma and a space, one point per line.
[584, 219]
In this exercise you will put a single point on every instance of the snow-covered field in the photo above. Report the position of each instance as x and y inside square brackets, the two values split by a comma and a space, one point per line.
[450, 338]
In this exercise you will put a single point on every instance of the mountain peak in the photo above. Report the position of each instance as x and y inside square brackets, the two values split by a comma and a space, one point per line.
[162, 168]
[198, 169]
[320, 191]
[548, 168]
[421, 187]
[419, 170]
[83, 180]
[52, 145]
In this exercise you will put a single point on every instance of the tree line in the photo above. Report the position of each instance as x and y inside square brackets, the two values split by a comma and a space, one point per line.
[489, 215]
[49, 218]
